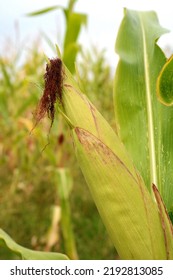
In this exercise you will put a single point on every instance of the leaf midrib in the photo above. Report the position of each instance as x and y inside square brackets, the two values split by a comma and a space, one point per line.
[150, 123]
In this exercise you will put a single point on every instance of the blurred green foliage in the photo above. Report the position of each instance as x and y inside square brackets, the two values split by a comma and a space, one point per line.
[73, 23]
[95, 79]
[29, 159]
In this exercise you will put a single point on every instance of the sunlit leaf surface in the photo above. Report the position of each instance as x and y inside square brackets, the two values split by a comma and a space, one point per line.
[145, 125]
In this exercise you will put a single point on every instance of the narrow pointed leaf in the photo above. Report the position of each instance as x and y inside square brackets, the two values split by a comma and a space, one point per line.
[7, 242]
[65, 183]
[44, 11]
[74, 22]
[145, 125]
[166, 224]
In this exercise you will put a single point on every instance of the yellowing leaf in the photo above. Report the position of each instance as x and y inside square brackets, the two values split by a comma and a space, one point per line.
[124, 203]
[165, 83]
[166, 224]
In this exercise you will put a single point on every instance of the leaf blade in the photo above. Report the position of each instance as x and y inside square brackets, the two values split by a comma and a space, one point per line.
[142, 120]
[27, 254]
[165, 84]
[44, 11]
[74, 22]
[166, 224]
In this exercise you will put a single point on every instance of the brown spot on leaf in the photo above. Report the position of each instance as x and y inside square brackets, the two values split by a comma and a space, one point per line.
[90, 142]
[61, 139]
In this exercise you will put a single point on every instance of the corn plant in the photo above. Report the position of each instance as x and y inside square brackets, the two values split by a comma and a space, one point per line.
[73, 22]
[129, 173]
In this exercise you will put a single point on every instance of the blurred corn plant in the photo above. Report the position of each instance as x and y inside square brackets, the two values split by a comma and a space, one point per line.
[95, 82]
[65, 184]
[29, 174]
[17, 165]
[17, 96]
[73, 22]
[18, 84]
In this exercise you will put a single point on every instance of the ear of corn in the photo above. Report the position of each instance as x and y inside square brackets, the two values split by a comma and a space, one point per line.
[125, 205]
[82, 113]
[123, 201]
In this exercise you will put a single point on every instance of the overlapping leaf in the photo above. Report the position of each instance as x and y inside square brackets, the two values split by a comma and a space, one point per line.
[165, 83]
[166, 224]
[145, 125]
[26, 254]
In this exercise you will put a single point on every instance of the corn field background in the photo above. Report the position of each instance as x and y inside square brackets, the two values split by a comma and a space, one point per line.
[29, 195]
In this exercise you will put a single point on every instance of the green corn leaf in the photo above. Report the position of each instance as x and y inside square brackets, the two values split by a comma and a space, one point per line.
[43, 11]
[145, 125]
[74, 22]
[71, 5]
[165, 83]
[65, 184]
[70, 54]
[6, 76]
[26, 254]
